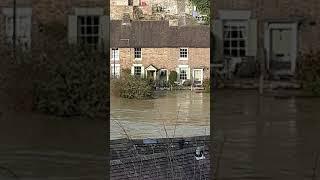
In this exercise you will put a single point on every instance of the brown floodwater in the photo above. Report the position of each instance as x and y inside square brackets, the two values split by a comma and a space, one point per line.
[172, 114]
[266, 137]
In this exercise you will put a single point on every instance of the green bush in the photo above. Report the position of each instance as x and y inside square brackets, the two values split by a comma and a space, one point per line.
[309, 71]
[173, 77]
[76, 85]
[132, 87]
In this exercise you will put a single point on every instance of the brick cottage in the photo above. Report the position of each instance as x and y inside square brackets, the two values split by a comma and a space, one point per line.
[283, 28]
[153, 49]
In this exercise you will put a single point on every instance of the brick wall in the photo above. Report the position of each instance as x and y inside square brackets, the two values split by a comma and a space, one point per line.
[167, 58]
[309, 36]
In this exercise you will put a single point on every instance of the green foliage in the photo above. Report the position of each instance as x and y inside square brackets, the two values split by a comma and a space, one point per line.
[132, 87]
[203, 6]
[75, 85]
[309, 71]
[173, 77]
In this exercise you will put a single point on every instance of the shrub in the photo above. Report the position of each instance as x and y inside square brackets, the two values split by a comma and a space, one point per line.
[75, 86]
[173, 77]
[132, 87]
[206, 84]
[54, 77]
[309, 71]
[187, 83]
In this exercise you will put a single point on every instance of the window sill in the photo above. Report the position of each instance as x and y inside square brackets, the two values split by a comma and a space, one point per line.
[183, 59]
[137, 59]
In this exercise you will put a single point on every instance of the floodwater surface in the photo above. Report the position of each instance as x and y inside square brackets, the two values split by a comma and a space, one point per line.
[266, 137]
[173, 114]
[41, 147]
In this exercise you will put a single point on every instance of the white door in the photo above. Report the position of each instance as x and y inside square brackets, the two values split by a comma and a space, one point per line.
[281, 45]
[197, 76]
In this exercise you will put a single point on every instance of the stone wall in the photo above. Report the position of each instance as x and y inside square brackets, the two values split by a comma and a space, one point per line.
[167, 58]
[116, 12]
[119, 2]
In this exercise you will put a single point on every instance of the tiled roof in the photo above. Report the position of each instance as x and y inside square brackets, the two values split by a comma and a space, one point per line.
[158, 34]
[167, 159]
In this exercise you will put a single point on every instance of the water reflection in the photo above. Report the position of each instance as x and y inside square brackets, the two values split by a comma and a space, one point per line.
[185, 111]
[267, 137]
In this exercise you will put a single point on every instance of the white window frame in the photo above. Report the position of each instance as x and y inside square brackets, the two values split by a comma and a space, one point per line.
[193, 74]
[134, 53]
[187, 69]
[117, 72]
[183, 58]
[115, 52]
[25, 34]
[103, 32]
[95, 36]
[238, 24]
[138, 65]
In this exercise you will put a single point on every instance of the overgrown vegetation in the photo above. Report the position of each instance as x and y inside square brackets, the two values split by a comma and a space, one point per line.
[206, 85]
[75, 86]
[131, 87]
[309, 71]
[203, 6]
[54, 77]
[173, 77]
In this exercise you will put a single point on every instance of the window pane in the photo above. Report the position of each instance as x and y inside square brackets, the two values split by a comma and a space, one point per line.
[95, 40]
[242, 52]
[81, 20]
[242, 43]
[89, 30]
[234, 44]
[227, 52]
[83, 30]
[234, 34]
[89, 20]
[226, 43]
[234, 52]
[234, 39]
[96, 30]
[183, 53]
[89, 40]
[137, 70]
[96, 20]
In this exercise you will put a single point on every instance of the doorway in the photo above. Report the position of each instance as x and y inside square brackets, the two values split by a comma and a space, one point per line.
[281, 46]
